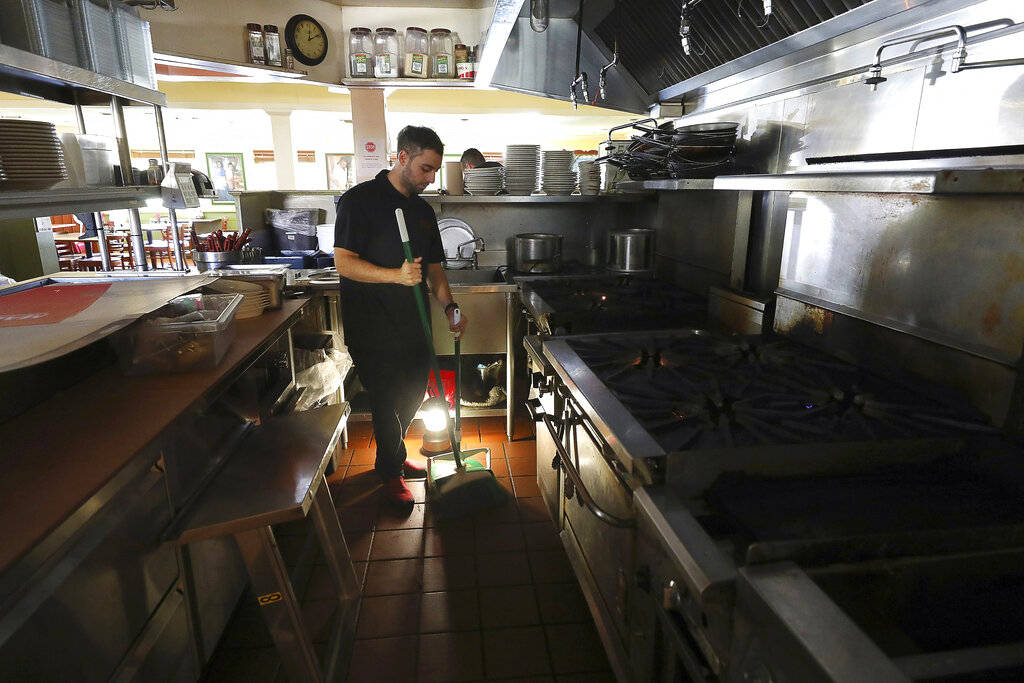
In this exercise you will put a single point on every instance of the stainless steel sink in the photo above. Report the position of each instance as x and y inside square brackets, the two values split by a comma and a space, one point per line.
[468, 276]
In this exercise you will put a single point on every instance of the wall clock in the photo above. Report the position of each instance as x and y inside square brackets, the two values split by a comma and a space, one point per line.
[307, 39]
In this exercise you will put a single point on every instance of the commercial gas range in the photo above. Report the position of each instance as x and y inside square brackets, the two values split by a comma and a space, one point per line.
[747, 508]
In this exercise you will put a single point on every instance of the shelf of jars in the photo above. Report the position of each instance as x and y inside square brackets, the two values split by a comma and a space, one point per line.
[406, 83]
[25, 73]
[53, 202]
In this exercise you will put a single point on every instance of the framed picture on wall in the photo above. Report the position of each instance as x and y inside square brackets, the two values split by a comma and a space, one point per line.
[340, 171]
[227, 173]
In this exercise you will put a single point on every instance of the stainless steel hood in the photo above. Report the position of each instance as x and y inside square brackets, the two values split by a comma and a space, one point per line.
[651, 54]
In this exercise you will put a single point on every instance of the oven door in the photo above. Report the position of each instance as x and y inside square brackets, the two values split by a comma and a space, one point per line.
[543, 401]
[597, 526]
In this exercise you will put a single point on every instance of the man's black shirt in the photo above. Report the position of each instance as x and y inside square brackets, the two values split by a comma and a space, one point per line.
[379, 316]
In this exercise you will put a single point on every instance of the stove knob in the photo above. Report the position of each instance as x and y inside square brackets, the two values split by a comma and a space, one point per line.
[671, 598]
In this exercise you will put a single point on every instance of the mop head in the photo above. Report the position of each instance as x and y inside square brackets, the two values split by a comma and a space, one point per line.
[458, 492]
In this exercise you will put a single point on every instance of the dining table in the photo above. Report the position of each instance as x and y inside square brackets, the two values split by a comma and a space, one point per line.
[69, 238]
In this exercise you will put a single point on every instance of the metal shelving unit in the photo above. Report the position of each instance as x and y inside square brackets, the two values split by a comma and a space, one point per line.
[407, 83]
[667, 184]
[529, 199]
[939, 181]
[25, 73]
[74, 199]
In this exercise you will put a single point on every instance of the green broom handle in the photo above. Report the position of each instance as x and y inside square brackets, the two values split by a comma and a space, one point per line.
[438, 384]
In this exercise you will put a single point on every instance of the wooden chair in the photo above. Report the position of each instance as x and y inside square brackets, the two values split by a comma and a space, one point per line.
[119, 247]
[66, 256]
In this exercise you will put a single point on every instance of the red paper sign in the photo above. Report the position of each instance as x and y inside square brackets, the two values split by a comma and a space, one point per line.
[371, 147]
[49, 304]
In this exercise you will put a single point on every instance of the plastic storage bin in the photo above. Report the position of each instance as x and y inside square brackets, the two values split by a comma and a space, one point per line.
[192, 332]
[43, 27]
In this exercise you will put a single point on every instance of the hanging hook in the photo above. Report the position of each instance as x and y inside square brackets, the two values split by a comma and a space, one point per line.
[602, 80]
[581, 77]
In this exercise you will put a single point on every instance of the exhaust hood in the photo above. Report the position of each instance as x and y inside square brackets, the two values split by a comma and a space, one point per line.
[651, 55]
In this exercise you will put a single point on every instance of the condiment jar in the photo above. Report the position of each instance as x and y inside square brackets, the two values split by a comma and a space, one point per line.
[155, 172]
[360, 53]
[463, 65]
[442, 53]
[417, 52]
[386, 53]
[272, 45]
[289, 58]
[254, 44]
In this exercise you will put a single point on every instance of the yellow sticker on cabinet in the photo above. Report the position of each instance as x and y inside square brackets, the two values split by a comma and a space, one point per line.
[269, 599]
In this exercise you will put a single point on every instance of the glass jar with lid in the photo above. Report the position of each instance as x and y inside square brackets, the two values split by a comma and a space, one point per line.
[360, 52]
[442, 53]
[272, 44]
[417, 52]
[255, 44]
[386, 53]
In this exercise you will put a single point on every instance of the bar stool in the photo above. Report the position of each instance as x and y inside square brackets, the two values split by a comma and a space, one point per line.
[275, 476]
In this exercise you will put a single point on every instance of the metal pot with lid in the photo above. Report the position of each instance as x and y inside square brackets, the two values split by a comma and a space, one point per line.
[538, 252]
[631, 250]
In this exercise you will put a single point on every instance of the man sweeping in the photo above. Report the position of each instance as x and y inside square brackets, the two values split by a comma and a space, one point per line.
[379, 312]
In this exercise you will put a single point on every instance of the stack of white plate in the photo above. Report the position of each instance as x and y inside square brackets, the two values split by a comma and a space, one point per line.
[521, 164]
[31, 155]
[255, 297]
[590, 177]
[557, 176]
[485, 181]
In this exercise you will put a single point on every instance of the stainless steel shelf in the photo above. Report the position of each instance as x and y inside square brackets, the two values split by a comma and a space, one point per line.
[531, 199]
[24, 73]
[407, 83]
[668, 184]
[31, 204]
[941, 181]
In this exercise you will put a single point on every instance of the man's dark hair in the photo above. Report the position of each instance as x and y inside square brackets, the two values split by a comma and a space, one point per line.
[472, 156]
[415, 139]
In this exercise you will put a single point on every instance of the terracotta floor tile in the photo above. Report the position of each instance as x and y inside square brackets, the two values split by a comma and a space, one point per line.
[358, 490]
[562, 603]
[450, 611]
[363, 456]
[359, 440]
[510, 652]
[550, 566]
[335, 478]
[449, 573]
[450, 657]
[505, 606]
[388, 615]
[500, 538]
[521, 467]
[256, 665]
[389, 577]
[449, 539]
[502, 569]
[575, 648]
[521, 449]
[383, 659]
[507, 513]
[390, 517]
[526, 487]
[357, 471]
[533, 509]
[506, 483]
[589, 677]
[541, 536]
[318, 616]
[359, 543]
[394, 545]
[360, 569]
[357, 519]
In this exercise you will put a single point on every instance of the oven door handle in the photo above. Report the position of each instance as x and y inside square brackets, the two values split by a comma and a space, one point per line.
[570, 469]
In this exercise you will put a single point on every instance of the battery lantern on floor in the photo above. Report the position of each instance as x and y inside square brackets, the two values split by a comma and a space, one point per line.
[435, 426]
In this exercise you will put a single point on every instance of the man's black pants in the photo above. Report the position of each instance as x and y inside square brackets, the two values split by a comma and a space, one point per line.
[396, 383]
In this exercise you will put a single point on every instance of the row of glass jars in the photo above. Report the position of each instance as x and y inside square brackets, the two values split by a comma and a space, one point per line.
[379, 55]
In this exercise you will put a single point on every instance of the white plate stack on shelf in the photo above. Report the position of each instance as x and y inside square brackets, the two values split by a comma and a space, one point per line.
[255, 297]
[590, 177]
[557, 176]
[31, 155]
[521, 164]
[485, 181]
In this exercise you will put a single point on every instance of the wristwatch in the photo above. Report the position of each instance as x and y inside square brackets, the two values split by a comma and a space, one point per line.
[450, 307]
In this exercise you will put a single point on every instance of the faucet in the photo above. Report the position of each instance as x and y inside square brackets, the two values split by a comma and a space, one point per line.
[874, 77]
[479, 246]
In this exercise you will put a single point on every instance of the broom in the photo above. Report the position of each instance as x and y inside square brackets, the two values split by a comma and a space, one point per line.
[458, 486]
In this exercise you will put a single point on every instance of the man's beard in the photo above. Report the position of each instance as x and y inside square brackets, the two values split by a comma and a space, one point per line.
[406, 179]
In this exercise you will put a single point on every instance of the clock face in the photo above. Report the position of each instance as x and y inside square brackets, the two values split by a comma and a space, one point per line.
[307, 39]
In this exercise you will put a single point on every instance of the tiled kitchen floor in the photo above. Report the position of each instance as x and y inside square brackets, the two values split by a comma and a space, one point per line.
[488, 597]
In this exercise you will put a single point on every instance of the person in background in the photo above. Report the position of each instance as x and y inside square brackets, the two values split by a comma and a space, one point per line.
[473, 158]
[378, 289]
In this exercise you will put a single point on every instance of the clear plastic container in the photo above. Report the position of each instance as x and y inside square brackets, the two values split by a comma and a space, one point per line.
[442, 53]
[386, 52]
[136, 46]
[43, 27]
[417, 52]
[360, 52]
[192, 332]
[98, 36]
